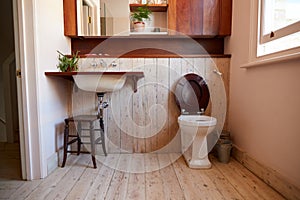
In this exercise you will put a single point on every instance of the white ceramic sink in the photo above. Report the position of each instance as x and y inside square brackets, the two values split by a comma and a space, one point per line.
[102, 81]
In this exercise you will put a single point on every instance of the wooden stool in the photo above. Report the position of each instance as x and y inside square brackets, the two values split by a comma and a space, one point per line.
[77, 138]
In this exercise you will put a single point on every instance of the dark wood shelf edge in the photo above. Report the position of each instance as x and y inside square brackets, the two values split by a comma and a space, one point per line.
[157, 56]
[71, 74]
[152, 7]
[147, 36]
[135, 76]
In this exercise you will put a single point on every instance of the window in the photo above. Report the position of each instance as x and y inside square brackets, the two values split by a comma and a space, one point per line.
[279, 26]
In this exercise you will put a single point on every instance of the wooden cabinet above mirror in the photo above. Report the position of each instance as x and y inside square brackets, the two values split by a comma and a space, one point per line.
[205, 18]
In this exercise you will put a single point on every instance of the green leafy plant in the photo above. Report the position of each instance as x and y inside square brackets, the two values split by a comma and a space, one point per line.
[66, 63]
[141, 13]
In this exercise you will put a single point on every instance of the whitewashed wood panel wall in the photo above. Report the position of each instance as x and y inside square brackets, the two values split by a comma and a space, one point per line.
[146, 121]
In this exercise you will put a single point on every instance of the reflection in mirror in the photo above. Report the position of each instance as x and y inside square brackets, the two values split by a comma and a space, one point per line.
[88, 17]
[102, 17]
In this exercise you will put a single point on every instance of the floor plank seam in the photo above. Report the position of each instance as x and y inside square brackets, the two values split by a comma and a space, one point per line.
[181, 186]
[228, 180]
[77, 180]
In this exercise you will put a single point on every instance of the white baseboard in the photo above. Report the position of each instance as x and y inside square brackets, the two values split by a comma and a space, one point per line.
[52, 163]
[268, 175]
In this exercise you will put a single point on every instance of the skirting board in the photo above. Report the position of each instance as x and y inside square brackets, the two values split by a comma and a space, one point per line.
[52, 163]
[268, 175]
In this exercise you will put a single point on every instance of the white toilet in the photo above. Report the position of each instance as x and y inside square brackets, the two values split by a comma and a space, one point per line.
[192, 97]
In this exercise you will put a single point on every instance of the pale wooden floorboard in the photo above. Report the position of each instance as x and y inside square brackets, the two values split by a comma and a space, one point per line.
[136, 184]
[99, 189]
[65, 185]
[171, 186]
[154, 182]
[247, 184]
[114, 179]
[119, 182]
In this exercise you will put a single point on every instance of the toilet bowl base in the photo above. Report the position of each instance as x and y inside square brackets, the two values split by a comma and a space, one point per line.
[197, 163]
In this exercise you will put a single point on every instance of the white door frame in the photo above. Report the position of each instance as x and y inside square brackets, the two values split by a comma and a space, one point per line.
[30, 146]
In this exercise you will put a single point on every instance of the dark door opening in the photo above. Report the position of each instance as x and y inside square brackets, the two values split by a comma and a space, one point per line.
[10, 161]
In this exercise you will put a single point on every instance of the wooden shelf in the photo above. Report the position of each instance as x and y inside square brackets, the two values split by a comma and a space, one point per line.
[69, 75]
[152, 7]
[148, 33]
[165, 55]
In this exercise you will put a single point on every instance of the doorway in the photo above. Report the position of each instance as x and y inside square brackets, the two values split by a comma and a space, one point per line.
[10, 159]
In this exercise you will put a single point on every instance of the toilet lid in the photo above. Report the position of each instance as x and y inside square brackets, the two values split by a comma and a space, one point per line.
[192, 94]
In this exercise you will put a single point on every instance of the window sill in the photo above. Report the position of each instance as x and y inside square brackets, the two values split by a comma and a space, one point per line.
[268, 61]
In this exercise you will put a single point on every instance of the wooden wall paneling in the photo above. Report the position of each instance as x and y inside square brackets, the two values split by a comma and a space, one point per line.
[225, 17]
[70, 18]
[139, 110]
[199, 66]
[174, 111]
[113, 117]
[163, 136]
[209, 65]
[150, 81]
[223, 65]
[133, 109]
[187, 65]
[217, 93]
[126, 108]
[211, 17]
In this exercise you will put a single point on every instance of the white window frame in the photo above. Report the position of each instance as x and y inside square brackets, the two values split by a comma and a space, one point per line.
[255, 59]
[275, 34]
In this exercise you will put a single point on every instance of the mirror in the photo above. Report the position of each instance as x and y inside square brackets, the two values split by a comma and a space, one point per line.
[102, 17]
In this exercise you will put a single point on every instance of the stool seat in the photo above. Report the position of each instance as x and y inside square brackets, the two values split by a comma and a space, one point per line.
[83, 118]
[90, 119]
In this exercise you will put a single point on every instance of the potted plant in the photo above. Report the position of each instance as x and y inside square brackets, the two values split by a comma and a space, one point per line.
[138, 16]
[66, 63]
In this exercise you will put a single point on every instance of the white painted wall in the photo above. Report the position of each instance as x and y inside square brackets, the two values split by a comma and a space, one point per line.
[264, 103]
[45, 103]
[51, 93]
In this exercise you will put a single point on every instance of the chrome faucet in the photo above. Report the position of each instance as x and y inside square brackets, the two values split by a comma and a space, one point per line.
[183, 112]
[201, 111]
[101, 105]
[102, 63]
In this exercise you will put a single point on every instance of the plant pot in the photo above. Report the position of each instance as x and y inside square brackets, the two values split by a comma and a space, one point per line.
[139, 26]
